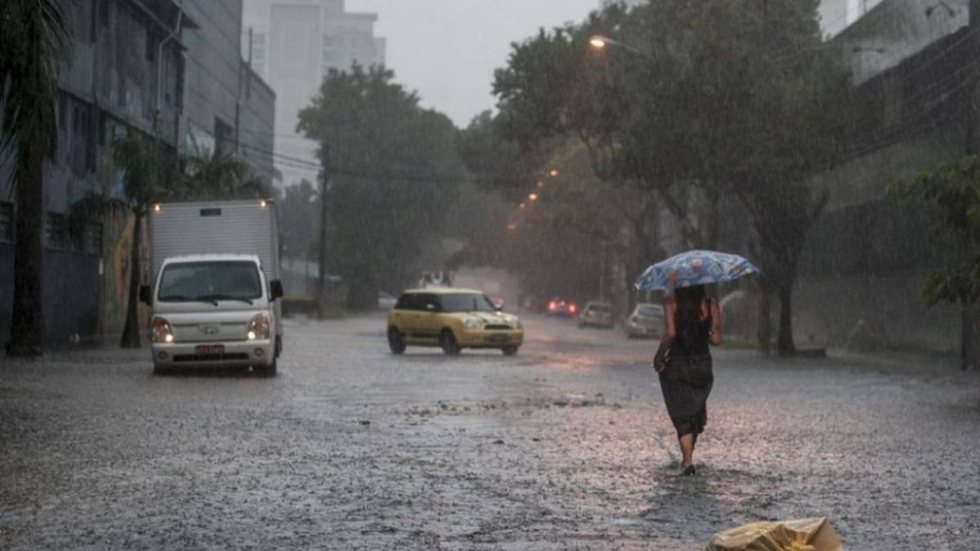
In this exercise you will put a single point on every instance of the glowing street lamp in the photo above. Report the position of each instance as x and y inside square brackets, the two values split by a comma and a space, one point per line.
[554, 172]
[533, 197]
[599, 43]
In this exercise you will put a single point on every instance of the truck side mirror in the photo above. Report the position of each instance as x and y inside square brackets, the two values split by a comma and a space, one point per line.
[146, 295]
[275, 289]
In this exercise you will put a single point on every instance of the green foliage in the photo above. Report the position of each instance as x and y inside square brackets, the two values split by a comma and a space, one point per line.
[394, 175]
[301, 224]
[738, 97]
[33, 36]
[952, 191]
[214, 176]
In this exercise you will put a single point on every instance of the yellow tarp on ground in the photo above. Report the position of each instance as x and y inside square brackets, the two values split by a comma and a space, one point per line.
[812, 534]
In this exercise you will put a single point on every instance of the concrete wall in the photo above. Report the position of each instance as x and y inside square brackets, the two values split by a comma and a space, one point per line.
[863, 267]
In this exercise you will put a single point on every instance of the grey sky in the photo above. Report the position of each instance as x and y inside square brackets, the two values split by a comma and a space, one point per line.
[447, 50]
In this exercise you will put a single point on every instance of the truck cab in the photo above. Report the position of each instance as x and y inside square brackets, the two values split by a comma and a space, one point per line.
[214, 310]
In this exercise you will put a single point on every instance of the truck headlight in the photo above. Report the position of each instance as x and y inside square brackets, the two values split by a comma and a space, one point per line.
[162, 332]
[258, 328]
[471, 323]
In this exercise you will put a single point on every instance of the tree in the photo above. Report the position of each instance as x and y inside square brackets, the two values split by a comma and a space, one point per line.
[394, 176]
[300, 229]
[737, 98]
[952, 191]
[151, 175]
[33, 35]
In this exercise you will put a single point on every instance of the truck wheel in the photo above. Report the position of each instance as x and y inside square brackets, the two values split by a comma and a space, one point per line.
[266, 371]
[395, 341]
[510, 350]
[448, 343]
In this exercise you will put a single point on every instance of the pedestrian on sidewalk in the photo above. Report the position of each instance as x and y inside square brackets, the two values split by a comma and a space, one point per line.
[683, 362]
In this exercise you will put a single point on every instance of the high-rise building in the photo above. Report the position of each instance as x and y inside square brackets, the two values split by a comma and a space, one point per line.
[293, 45]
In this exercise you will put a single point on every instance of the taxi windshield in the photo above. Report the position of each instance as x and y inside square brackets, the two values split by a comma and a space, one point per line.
[466, 302]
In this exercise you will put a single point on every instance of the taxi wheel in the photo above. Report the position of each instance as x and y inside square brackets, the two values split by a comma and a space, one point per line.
[510, 350]
[448, 343]
[395, 341]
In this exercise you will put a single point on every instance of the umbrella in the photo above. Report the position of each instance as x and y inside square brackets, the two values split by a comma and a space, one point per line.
[694, 268]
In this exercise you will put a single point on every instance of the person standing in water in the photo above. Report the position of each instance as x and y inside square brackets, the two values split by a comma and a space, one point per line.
[683, 362]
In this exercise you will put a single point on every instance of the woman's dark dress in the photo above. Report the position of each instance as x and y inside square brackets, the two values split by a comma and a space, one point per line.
[687, 380]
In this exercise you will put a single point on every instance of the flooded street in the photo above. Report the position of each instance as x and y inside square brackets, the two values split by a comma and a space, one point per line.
[566, 446]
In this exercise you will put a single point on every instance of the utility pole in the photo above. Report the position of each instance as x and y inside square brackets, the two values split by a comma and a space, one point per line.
[324, 180]
[969, 341]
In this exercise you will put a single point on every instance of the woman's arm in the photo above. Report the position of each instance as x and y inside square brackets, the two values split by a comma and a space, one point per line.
[715, 336]
[660, 358]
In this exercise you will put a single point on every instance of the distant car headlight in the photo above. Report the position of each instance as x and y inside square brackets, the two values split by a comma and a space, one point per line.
[471, 323]
[162, 332]
[258, 327]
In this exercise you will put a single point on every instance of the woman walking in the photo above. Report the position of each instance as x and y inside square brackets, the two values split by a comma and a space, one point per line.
[683, 362]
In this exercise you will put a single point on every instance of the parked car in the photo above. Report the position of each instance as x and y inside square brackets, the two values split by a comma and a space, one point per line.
[597, 314]
[561, 307]
[452, 319]
[647, 320]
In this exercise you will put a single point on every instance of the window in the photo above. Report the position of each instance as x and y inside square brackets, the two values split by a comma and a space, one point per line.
[210, 281]
[405, 302]
[92, 239]
[467, 302]
[151, 46]
[6, 222]
[258, 53]
[56, 231]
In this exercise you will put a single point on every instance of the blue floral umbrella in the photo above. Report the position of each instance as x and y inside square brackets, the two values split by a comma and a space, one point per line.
[694, 268]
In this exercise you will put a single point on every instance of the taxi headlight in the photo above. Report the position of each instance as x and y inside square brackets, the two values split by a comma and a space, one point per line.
[471, 323]
[162, 332]
[258, 328]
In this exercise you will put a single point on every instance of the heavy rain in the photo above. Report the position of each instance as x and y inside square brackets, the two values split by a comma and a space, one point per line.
[432, 274]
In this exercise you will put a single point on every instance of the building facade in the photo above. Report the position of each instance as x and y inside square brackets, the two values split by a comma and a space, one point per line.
[171, 73]
[293, 45]
[862, 271]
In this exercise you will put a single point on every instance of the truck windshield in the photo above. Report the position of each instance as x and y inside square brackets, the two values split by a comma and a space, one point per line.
[466, 303]
[210, 281]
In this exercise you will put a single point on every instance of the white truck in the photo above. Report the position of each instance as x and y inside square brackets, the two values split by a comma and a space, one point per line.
[216, 285]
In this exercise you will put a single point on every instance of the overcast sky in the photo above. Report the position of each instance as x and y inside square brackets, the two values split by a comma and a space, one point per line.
[447, 50]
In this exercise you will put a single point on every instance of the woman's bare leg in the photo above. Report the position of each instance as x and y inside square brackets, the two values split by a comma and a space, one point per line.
[687, 449]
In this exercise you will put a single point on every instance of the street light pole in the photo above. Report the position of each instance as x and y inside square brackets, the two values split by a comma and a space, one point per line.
[322, 280]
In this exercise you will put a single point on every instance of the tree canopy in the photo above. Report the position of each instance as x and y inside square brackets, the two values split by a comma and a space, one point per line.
[393, 174]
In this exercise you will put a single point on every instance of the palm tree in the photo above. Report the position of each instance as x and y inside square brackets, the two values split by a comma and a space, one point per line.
[33, 36]
[147, 178]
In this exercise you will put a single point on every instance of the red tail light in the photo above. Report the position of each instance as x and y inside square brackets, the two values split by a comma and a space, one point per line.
[552, 305]
[572, 308]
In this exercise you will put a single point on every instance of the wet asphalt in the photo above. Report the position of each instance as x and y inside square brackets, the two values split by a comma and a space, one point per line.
[566, 446]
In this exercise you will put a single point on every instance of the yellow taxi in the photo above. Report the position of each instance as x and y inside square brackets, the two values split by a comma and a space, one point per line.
[452, 319]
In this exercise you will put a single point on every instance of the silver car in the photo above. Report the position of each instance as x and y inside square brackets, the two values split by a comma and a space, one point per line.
[647, 320]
